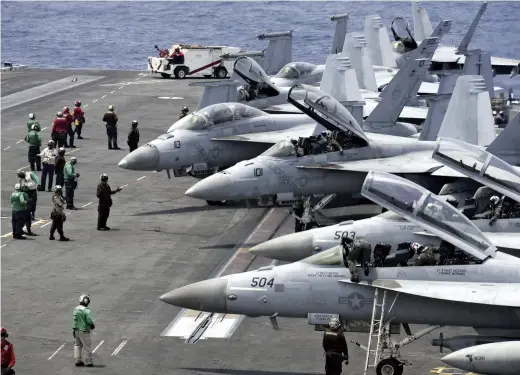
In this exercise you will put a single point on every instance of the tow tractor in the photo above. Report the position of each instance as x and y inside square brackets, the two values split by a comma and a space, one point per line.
[201, 61]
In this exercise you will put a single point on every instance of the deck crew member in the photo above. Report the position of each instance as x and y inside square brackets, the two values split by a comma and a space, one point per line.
[335, 347]
[133, 136]
[57, 214]
[32, 121]
[357, 251]
[31, 182]
[104, 193]
[70, 130]
[184, 112]
[82, 324]
[19, 202]
[48, 156]
[59, 167]
[79, 118]
[71, 182]
[35, 141]
[59, 130]
[110, 118]
[8, 358]
[177, 57]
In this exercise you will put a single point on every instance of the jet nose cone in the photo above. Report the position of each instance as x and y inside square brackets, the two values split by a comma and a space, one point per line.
[208, 295]
[215, 187]
[458, 359]
[290, 248]
[145, 158]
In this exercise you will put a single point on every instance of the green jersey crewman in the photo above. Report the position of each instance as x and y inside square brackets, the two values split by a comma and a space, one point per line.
[19, 202]
[32, 121]
[82, 324]
[35, 141]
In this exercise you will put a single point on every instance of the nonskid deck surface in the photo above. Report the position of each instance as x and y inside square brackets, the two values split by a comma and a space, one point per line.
[160, 240]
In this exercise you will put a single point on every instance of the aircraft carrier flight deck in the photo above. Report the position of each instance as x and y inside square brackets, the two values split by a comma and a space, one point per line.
[160, 240]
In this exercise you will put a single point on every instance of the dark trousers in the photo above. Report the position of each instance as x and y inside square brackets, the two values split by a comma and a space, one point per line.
[33, 199]
[103, 214]
[60, 178]
[18, 221]
[78, 128]
[112, 136]
[69, 193]
[333, 365]
[34, 160]
[60, 139]
[48, 170]
[70, 133]
[133, 146]
[57, 225]
[6, 371]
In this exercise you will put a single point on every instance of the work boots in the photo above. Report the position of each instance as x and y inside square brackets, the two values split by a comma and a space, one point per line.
[80, 364]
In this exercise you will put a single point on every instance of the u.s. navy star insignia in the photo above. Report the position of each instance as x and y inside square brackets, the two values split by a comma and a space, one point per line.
[355, 301]
[214, 152]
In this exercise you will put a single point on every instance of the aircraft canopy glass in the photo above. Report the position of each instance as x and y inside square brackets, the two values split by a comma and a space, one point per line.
[295, 70]
[477, 161]
[281, 149]
[330, 257]
[420, 203]
[215, 115]
[328, 107]
[251, 70]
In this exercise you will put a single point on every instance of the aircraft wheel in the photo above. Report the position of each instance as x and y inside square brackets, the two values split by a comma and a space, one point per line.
[165, 75]
[221, 72]
[213, 203]
[389, 366]
[181, 72]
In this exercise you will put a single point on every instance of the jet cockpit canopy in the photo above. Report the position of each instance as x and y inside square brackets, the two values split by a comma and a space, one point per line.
[324, 109]
[249, 70]
[215, 115]
[329, 257]
[478, 164]
[419, 205]
[296, 70]
[281, 149]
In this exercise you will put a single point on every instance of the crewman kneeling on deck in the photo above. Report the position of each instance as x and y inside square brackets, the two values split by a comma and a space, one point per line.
[82, 324]
[8, 358]
[355, 252]
[335, 347]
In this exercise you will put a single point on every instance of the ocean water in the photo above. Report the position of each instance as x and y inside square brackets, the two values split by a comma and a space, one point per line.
[121, 35]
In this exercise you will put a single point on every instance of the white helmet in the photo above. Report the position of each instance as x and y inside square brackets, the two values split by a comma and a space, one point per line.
[84, 299]
[74, 159]
[17, 187]
[494, 113]
[494, 199]
[415, 246]
[57, 187]
[59, 114]
[334, 324]
[32, 116]
[111, 107]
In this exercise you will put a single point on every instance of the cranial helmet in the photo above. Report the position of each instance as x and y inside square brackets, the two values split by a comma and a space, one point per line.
[50, 143]
[3, 333]
[66, 109]
[111, 108]
[17, 187]
[185, 109]
[77, 103]
[494, 199]
[61, 151]
[58, 188]
[346, 239]
[21, 174]
[32, 116]
[104, 177]
[135, 123]
[334, 324]
[59, 114]
[73, 160]
[84, 299]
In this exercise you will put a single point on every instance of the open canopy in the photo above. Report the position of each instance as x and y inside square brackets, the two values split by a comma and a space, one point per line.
[324, 109]
[419, 205]
[215, 115]
[249, 70]
[478, 164]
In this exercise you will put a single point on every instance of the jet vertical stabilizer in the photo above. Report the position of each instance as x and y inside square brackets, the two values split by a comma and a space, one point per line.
[422, 27]
[279, 51]
[378, 42]
[327, 79]
[355, 48]
[396, 93]
[346, 89]
[468, 117]
[339, 32]
[479, 63]
[217, 92]
[463, 46]
[505, 145]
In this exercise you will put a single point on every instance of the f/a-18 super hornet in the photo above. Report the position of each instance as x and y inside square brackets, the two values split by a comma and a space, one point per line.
[343, 172]
[446, 57]
[478, 292]
[500, 224]
[199, 142]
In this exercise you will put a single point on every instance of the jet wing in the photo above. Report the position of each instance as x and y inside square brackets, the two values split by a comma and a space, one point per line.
[414, 162]
[274, 136]
[467, 292]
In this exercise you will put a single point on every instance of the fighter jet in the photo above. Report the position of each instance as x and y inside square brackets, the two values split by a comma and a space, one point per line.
[445, 56]
[477, 293]
[390, 228]
[343, 172]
